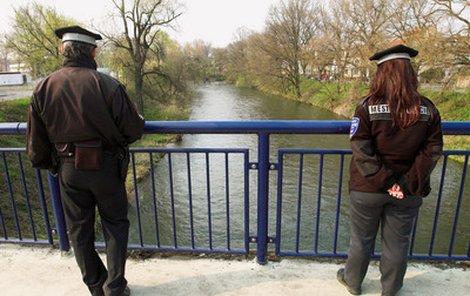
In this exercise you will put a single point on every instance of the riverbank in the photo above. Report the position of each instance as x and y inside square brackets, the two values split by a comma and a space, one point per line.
[27, 270]
[342, 98]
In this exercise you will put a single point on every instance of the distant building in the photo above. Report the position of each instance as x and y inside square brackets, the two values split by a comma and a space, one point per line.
[13, 78]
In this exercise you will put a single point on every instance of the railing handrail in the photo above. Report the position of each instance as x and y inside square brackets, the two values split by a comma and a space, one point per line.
[249, 127]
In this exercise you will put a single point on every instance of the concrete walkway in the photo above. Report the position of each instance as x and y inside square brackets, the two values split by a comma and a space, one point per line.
[45, 272]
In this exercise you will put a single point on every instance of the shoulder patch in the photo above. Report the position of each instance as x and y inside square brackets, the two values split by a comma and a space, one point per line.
[354, 126]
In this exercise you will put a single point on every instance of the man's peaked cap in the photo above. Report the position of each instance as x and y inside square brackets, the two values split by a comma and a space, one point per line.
[77, 33]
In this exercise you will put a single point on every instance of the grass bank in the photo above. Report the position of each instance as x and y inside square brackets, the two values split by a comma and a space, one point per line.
[342, 98]
[17, 111]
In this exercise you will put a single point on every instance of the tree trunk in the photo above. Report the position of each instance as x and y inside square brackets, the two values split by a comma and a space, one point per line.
[138, 88]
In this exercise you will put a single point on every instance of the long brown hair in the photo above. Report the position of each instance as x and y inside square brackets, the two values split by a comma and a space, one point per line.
[397, 83]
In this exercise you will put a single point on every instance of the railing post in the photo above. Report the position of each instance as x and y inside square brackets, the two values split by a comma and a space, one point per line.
[263, 191]
[58, 213]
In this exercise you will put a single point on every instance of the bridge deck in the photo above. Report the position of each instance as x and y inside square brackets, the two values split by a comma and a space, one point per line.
[28, 271]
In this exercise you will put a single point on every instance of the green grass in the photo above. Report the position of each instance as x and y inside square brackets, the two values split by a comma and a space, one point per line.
[14, 111]
[453, 106]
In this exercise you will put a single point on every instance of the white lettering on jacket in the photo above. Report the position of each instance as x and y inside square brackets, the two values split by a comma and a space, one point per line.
[384, 109]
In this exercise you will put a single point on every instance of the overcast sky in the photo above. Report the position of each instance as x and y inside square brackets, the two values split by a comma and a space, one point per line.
[214, 21]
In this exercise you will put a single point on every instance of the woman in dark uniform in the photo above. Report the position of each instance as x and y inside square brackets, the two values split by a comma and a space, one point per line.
[396, 141]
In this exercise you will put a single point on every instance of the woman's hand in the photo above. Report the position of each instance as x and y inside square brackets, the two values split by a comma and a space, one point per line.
[396, 191]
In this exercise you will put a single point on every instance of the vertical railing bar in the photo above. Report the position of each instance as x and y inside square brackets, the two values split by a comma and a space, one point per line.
[299, 202]
[263, 197]
[137, 203]
[247, 201]
[209, 210]
[279, 202]
[438, 205]
[12, 198]
[320, 184]
[58, 210]
[4, 229]
[190, 196]
[227, 200]
[154, 199]
[2, 221]
[338, 204]
[172, 200]
[457, 208]
[44, 206]
[26, 195]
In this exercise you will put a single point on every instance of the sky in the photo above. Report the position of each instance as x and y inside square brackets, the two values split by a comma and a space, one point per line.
[213, 21]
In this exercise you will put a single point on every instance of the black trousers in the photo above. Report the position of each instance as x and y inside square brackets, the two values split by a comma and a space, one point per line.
[395, 218]
[82, 192]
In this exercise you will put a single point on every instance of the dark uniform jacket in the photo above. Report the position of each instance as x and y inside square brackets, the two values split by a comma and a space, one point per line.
[384, 154]
[78, 103]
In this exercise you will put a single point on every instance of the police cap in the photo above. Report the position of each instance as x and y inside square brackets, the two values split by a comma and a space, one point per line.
[77, 33]
[396, 52]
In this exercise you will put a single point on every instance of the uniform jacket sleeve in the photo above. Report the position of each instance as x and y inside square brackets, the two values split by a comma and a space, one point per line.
[128, 121]
[365, 158]
[416, 180]
[38, 146]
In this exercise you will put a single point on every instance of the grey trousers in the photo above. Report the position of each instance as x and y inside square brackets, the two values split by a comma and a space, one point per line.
[395, 218]
[81, 193]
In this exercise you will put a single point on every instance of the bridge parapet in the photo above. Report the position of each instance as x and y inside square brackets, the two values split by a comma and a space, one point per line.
[285, 205]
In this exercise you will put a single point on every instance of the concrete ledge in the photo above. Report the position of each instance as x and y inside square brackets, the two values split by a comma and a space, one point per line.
[44, 271]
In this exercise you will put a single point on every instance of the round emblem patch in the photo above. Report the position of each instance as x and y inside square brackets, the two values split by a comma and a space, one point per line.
[354, 126]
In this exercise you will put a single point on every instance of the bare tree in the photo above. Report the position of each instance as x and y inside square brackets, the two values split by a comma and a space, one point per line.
[459, 10]
[341, 31]
[370, 19]
[4, 56]
[290, 27]
[416, 23]
[459, 13]
[141, 23]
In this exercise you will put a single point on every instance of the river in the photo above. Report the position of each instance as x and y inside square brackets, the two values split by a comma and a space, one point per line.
[224, 200]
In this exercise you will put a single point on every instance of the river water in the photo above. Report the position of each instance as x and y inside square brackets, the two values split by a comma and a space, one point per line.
[213, 185]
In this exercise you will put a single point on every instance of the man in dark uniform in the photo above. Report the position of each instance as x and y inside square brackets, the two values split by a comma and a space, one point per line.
[396, 141]
[80, 124]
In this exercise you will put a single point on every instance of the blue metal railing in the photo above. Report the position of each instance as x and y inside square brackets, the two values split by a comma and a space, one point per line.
[205, 203]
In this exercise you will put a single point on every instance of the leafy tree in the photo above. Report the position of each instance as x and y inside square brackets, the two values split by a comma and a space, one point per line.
[33, 39]
[235, 57]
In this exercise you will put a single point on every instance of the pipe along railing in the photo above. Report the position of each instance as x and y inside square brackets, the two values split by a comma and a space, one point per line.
[218, 200]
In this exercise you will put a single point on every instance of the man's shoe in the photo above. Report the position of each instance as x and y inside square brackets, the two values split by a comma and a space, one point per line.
[340, 278]
[126, 292]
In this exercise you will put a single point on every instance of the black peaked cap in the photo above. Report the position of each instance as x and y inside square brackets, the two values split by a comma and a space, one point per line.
[395, 49]
[78, 30]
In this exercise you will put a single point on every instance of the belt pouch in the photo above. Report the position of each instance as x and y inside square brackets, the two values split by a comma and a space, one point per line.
[88, 155]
